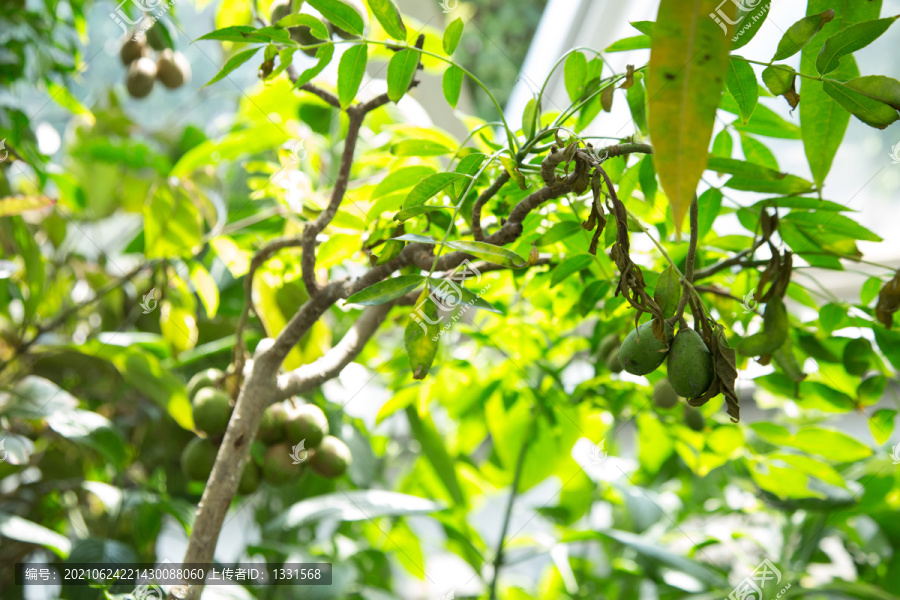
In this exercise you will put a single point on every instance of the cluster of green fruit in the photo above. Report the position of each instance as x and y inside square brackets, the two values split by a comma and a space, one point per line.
[304, 424]
[170, 68]
[302, 34]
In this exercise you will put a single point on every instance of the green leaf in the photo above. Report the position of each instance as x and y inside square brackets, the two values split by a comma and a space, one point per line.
[708, 206]
[800, 34]
[469, 165]
[858, 356]
[452, 84]
[340, 14]
[779, 80]
[575, 75]
[391, 249]
[389, 16]
[740, 80]
[434, 450]
[241, 34]
[530, 117]
[401, 179]
[16, 528]
[723, 144]
[419, 148]
[831, 444]
[513, 169]
[848, 41]
[764, 122]
[668, 292]
[233, 63]
[352, 505]
[351, 70]
[316, 27]
[400, 73]
[172, 225]
[422, 335]
[416, 238]
[758, 153]
[324, 55]
[570, 265]
[206, 288]
[34, 263]
[637, 42]
[62, 96]
[452, 34]
[824, 223]
[415, 211]
[387, 290]
[647, 178]
[877, 87]
[787, 185]
[822, 121]
[16, 205]
[889, 343]
[494, 254]
[774, 332]
[429, 187]
[871, 390]
[882, 424]
[559, 232]
[636, 97]
[752, 18]
[871, 112]
[688, 63]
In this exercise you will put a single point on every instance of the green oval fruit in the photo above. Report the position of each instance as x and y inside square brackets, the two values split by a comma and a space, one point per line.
[305, 422]
[249, 479]
[331, 458]
[641, 352]
[664, 395]
[133, 48]
[360, 8]
[693, 418]
[690, 364]
[612, 361]
[198, 458]
[608, 344]
[212, 410]
[271, 429]
[172, 69]
[140, 78]
[203, 379]
[278, 466]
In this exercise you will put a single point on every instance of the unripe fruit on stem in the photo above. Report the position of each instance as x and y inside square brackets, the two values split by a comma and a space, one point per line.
[360, 8]
[141, 74]
[203, 379]
[664, 395]
[608, 344]
[305, 422]
[693, 418]
[271, 428]
[612, 361]
[249, 479]
[331, 458]
[690, 364]
[172, 69]
[198, 458]
[133, 48]
[278, 466]
[641, 352]
[212, 411]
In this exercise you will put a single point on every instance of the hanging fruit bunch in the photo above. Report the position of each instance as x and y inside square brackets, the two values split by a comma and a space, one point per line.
[293, 437]
[150, 58]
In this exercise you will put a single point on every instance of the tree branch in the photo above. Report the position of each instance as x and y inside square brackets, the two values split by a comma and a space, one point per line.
[308, 377]
[486, 195]
[737, 259]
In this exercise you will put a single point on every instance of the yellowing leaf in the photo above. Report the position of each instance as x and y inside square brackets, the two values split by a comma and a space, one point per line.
[688, 63]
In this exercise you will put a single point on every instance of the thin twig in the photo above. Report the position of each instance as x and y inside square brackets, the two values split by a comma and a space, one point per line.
[688, 279]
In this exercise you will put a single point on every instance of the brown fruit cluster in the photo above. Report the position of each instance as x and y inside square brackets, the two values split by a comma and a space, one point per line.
[211, 408]
[170, 67]
[296, 436]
